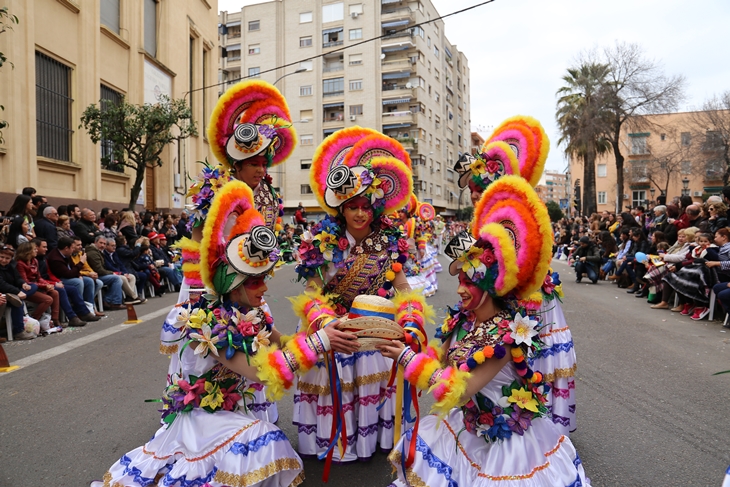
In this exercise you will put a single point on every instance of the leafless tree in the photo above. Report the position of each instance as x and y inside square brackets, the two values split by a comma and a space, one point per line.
[662, 168]
[639, 87]
[713, 121]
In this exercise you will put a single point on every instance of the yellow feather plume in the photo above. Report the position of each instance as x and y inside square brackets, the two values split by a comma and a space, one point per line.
[268, 375]
[455, 397]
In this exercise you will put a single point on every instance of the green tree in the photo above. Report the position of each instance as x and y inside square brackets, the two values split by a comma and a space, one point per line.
[556, 214]
[138, 134]
[6, 23]
[582, 120]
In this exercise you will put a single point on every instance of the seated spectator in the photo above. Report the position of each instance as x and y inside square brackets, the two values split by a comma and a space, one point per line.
[168, 229]
[113, 296]
[74, 212]
[109, 227]
[63, 210]
[608, 250]
[145, 261]
[656, 238]
[182, 226]
[27, 264]
[639, 243]
[23, 207]
[587, 259]
[45, 227]
[14, 287]
[717, 216]
[114, 263]
[722, 288]
[85, 228]
[62, 265]
[623, 250]
[127, 228]
[163, 262]
[148, 225]
[63, 227]
[693, 281]
[18, 232]
[674, 255]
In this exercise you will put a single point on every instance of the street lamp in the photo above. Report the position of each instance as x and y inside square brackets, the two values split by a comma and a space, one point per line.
[300, 70]
[652, 191]
[685, 186]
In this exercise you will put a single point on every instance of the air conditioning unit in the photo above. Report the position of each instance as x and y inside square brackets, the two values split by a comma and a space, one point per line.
[626, 196]
[354, 15]
[697, 193]
[415, 140]
[353, 118]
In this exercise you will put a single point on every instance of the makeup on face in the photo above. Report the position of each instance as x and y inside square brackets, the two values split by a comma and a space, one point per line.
[255, 288]
[358, 213]
[251, 171]
[471, 295]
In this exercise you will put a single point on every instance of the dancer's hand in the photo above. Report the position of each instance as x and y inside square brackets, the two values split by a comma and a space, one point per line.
[341, 341]
[392, 349]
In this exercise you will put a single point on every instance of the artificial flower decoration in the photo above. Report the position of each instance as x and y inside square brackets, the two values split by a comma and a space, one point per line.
[206, 343]
[523, 329]
[214, 398]
[197, 319]
[524, 399]
[262, 339]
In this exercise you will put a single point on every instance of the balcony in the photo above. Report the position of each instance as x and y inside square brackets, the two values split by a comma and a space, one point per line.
[397, 118]
[394, 90]
[396, 35]
[389, 66]
[333, 67]
[391, 14]
[326, 45]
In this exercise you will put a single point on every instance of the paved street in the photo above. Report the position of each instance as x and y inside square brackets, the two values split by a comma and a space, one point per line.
[649, 410]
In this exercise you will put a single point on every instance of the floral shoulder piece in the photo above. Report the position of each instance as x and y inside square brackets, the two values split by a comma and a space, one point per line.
[201, 192]
[323, 244]
[552, 287]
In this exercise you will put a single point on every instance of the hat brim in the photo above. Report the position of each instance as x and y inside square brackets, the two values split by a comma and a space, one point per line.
[372, 331]
[464, 179]
[238, 155]
[238, 264]
[331, 198]
[454, 268]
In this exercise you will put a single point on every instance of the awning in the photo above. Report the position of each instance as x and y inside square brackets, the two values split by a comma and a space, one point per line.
[396, 126]
[388, 2]
[398, 75]
[399, 46]
[332, 31]
[233, 47]
[395, 23]
[396, 101]
[334, 105]
[234, 23]
[330, 131]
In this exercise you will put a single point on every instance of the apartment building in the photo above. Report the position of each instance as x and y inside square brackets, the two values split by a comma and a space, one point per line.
[477, 141]
[555, 186]
[69, 54]
[412, 84]
[673, 153]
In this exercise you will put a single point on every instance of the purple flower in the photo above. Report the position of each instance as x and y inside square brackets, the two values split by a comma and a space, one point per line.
[268, 131]
[366, 177]
[519, 420]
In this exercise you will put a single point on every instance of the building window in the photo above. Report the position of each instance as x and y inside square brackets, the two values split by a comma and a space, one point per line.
[110, 15]
[305, 189]
[601, 170]
[417, 31]
[305, 41]
[305, 163]
[436, 74]
[305, 90]
[306, 114]
[254, 25]
[355, 85]
[355, 59]
[450, 175]
[191, 74]
[333, 87]
[686, 167]
[601, 197]
[333, 12]
[332, 37]
[428, 41]
[355, 34]
[638, 198]
[686, 139]
[254, 72]
[356, 9]
[305, 17]
[638, 144]
[53, 108]
[150, 27]
[306, 65]
[306, 139]
[438, 190]
[355, 110]
[254, 49]
[436, 52]
[109, 97]
[205, 97]
[233, 55]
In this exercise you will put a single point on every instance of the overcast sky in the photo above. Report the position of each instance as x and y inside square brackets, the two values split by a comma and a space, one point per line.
[518, 50]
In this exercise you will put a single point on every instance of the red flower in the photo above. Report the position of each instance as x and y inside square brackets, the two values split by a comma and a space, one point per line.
[402, 245]
[486, 418]
[487, 258]
[343, 243]
[305, 247]
[492, 166]
[268, 178]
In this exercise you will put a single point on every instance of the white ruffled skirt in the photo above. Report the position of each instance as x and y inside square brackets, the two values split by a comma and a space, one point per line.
[364, 379]
[557, 363]
[446, 456]
[217, 449]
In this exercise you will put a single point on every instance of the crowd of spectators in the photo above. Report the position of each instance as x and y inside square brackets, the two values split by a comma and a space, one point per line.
[56, 261]
[672, 253]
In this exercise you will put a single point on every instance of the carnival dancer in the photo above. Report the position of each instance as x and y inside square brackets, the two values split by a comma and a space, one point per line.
[358, 176]
[529, 150]
[208, 435]
[249, 131]
[412, 267]
[430, 265]
[493, 424]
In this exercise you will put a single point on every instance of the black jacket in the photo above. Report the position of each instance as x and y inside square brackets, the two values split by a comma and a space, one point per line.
[128, 255]
[592, 253]
[642, 246]
[130, 234]
[85, 230]
[159, 253]
[10, 280]
[46, 229]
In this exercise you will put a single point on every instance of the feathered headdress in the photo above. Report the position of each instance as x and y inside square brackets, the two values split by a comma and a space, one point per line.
[528, 141]
[251, 118]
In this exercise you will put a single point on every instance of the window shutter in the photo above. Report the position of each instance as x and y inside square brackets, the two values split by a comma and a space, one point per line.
[110, 14]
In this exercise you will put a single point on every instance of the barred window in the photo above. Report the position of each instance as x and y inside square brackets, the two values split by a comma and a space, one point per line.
[109, 97]
[53, 108]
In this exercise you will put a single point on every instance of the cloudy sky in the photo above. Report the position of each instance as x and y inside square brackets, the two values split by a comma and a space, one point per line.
[518, 50]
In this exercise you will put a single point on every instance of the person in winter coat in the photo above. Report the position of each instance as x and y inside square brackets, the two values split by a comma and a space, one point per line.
[95, 259]
[639, 243]
[114, 263]
[587, 259]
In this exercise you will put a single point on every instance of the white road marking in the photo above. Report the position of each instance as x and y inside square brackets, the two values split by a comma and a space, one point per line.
[67, 347]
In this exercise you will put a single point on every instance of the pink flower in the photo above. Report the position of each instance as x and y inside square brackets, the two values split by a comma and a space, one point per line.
[385, 186]
[340, 310]
[343, 243]
[217, 313]
[230, 398]
[492, 167]
[193, 392]
[487, 258]
[247, 328]
[402, 245]
[305, 247]
[548, 285]
[269, 319]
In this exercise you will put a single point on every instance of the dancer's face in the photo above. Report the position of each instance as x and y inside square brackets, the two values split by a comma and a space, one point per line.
[251, 293]
[476, 193]
[251, 171]
[471, 296]
[358, 214]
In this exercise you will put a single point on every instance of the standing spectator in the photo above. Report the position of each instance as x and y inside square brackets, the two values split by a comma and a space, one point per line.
[63, 227]
[162, 260]
[18, 231]
[12, 283]
[683, 219]
[62, 210]
[127, 228]
[695, 219]
[300, 216]
[62, 266]
[114, 263]
[27, 264]
[587, 260]
[95, 259]
[85, 228]
[148, 225]
[45, 227]
[74, 212]
[23, 207]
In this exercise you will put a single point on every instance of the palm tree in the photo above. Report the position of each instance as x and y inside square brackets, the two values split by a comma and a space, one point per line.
[582, 120]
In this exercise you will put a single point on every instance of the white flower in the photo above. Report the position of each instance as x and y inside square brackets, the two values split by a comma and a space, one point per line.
[377, 194]
[523, 329]
[262, 339]
[503, 402]
[252, 317]
[482, 429]
[206, 344]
